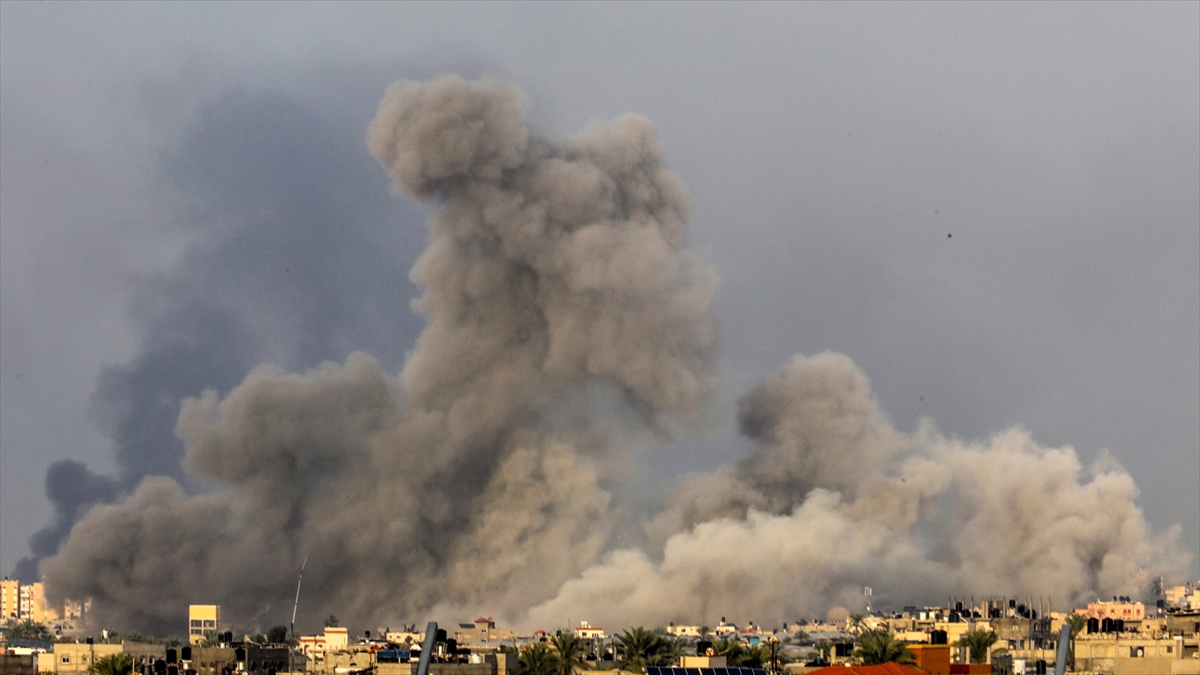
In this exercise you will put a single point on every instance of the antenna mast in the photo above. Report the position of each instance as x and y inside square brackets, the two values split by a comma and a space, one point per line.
[296, 605]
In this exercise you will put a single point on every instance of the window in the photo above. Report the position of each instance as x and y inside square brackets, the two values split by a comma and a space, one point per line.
[210, 623]
[66, 659]
[196, 623]
[1136, 652]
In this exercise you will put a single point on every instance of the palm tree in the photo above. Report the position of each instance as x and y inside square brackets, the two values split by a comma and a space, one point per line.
[754, 656]
[113, 664]
[978, 641]
[856, 623]
[1077, 623]
[537, 659]
[28, 630]
[637, 646]
[876, 647]
[732, 650]
[570, 652]
[824, 646]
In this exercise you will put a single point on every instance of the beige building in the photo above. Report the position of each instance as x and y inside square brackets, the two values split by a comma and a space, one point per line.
[1126, 611]
[201, 619]
[1184, 597]
[589, 632]
[1124, 655]
[77, 657]
[482, 631]
[10, 591]
[684, 631]
[316, 647]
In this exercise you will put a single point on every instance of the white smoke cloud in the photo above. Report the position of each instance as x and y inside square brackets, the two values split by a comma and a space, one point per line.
[567, 327]
[817, 512]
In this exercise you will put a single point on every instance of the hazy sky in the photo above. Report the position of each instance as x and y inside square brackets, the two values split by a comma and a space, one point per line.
[994, 209]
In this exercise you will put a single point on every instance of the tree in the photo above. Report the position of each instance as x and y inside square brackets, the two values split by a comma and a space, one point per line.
[570, 652]
[978, 642]
[856, 623]
[277, 634]
[537, 659]
[877, 646]
[754, 656]
[665, 651]
[28, 630]
[113, 664]
[637, 645]
[825, 647]
[1077, 623]
[732, 650]
[211, 639]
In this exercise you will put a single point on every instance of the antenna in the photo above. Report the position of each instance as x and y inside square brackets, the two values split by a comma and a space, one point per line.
[296, 605]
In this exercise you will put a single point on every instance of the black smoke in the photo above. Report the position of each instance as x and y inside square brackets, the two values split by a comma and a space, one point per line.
[295, 259]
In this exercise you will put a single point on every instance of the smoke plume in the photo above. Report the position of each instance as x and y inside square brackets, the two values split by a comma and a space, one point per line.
[566, 329]
[281, 196]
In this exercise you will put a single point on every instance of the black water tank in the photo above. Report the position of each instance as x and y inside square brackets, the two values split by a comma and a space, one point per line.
[160, 667]
[441, 635]
[1093, 625]
[186, 653]
[172, 669]
[239, 654]
[937, 637]
[172, 656]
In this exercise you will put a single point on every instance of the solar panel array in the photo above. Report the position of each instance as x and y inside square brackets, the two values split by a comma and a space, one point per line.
[654, 670]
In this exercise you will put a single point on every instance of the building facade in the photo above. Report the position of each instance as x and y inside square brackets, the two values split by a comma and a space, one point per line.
[202, 619]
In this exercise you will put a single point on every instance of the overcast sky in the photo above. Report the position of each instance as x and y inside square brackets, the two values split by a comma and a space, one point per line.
[994, 209]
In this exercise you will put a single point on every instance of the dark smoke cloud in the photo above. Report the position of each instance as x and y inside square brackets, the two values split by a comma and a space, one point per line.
[556, 279]
[294, 262]
[566, 329]
[72, 489]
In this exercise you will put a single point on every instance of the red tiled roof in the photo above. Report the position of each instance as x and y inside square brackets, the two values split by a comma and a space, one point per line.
[882, 669]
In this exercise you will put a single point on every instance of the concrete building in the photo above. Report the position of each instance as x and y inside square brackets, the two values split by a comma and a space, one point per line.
[587, 631]
[1117, 609]
[75, 658]
[316, 647]
[10, 591]
[482, 631]
[1136, 655]
[685, 631]
[245, 658]
[201, 619]
[932, 659]
[1184, 597]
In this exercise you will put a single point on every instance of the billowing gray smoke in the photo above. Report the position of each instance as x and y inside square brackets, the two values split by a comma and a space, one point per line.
[566, 328]
[282, 194]
[556, 285]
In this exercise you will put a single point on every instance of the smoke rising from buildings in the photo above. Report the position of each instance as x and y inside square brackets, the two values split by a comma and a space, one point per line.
[276, 194]
[566, 328]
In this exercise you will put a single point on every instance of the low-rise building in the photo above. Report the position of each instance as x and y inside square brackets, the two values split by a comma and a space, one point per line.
[1117, 609]
[587, 631]
[1184, 597]
[202, 619]
[1136, 655]
[482, 631]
